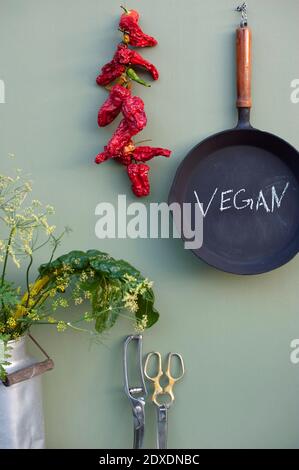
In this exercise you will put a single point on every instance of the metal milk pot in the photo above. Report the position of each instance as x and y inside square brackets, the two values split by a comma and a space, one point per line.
[21, 409]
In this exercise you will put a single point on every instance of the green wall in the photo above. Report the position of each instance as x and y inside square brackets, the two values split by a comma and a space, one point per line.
[240, 389]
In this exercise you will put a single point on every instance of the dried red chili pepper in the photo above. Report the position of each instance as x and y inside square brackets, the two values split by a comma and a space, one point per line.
[102, 157]
[129, 25]
[112, 106]
[120, 138]
[138, 174]
[110, 72]
[118, 141]
[121, 147]
[133, 111]
[127, 154]
[126, 56]
[116, 67]
[145, 153]
[134, 121]
[140, 154]
[133, 13]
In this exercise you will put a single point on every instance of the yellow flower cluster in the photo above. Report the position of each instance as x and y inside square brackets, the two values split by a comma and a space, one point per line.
[61, 326]
[88, 317]
[51, 320]
[141, 324]
[11, 323]
[60, 302]
[130, 300]
[49, 228]
[16, 335]
[22, 220]
[136, 289]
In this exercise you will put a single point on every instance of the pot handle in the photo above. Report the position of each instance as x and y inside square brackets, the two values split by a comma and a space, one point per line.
[28, 372]
[243, 46]
[31, 371]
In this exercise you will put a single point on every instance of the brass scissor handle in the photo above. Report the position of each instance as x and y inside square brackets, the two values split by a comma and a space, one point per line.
[168, 389]
[158, 390]
[172, 380]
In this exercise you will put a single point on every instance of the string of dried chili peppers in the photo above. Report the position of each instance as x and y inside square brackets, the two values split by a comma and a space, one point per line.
[117, 76]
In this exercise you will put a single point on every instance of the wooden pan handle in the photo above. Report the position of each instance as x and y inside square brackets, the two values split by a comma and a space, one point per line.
[28, 372]
[243, 67]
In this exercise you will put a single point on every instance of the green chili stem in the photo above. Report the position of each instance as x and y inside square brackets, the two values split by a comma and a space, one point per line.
[125, 9]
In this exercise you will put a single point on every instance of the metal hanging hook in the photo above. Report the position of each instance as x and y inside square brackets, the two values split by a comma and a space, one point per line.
[243, 10]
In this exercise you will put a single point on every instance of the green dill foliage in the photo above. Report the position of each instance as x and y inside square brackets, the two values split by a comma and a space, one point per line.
[8, 295]
[4, 355]
[108, 286]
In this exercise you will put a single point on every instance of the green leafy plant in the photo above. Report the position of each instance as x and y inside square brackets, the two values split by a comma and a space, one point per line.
[110, 287]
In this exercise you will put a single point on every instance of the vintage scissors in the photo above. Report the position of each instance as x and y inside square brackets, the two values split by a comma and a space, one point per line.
[136, 394]
[161, 393]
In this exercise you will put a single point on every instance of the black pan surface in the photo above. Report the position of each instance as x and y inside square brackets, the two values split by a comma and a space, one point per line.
[247, 182]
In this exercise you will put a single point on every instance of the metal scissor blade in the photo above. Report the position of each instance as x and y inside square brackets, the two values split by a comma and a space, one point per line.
[162, 427]
[139, 422]
[138, 437]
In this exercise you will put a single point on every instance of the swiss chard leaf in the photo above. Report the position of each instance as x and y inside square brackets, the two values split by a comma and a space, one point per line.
[107, 287]
[146, 308]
